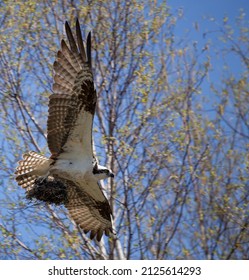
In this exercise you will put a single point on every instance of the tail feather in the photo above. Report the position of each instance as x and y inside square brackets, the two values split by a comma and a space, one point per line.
[31, 167]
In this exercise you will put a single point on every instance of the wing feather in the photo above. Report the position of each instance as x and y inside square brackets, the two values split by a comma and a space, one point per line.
[61, 70]
[70, 56]
[72, 105]
[73, 44]
[88, 45]
[80, 41]
[70, 37]
[88, 213]
[57, 88]
[62, 59]
[61, 81]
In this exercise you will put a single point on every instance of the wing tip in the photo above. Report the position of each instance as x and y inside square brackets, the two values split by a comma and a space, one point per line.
[77, 23]
[80, 41]
[79, 47]
[98, 234]
[67, 26]
[88, 49]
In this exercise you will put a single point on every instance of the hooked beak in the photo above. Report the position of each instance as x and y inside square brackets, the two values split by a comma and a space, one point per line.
[111, 175]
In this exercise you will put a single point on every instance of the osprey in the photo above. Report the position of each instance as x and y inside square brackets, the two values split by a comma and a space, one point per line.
[71, 175]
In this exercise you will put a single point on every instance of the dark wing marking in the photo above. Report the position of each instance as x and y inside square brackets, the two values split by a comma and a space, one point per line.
[74, 96]
[80, 41]
[90, 214]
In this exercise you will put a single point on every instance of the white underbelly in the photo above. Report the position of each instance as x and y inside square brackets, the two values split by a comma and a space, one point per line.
[81, 174]
[71, 169]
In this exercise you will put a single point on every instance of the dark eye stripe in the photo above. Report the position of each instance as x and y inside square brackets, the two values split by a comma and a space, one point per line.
[100, 171]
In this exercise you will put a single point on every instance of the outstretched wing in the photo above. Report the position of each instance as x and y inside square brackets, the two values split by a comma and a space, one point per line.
[90, 214]
[72, 105]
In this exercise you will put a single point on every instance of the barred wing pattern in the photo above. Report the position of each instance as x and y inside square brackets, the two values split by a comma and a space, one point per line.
[74, 92]
[71, 112]
[69, 131]
[88, 213]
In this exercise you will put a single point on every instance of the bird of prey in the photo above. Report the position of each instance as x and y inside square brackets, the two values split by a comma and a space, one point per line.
[71, 175]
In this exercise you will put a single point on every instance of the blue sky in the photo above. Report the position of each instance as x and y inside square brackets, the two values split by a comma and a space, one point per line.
[201, 12]
[194, 9]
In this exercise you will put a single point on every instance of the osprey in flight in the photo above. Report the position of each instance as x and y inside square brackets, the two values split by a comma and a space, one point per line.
[71, 175]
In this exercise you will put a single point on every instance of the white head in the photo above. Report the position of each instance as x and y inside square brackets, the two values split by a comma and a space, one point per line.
[101, 172]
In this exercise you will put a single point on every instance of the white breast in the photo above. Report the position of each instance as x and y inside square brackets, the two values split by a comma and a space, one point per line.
[81, 173]
[71, 168]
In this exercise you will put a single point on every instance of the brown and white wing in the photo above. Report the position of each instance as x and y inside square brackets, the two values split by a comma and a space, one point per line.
[92, 215]
[72, 105]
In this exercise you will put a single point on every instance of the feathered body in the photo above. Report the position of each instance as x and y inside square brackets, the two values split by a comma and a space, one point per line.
[71, 175]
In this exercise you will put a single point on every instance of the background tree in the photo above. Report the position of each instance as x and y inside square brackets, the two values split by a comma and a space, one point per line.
[175, 136]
